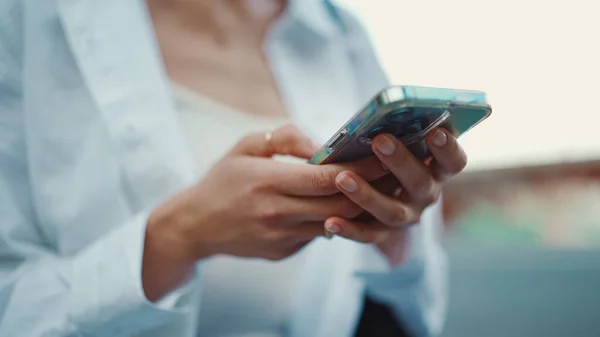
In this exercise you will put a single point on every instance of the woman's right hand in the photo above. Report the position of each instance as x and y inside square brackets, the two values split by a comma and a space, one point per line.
[248, 205]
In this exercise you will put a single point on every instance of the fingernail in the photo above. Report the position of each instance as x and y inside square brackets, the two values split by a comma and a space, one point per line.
[439, 138]
[385, 145]
[332, 227]
[346, 182]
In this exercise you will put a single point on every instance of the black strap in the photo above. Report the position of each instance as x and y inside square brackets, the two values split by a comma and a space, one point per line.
[377, 320]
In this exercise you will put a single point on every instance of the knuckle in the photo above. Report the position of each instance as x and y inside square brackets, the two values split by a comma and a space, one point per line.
[268, 214]
[289, 134]
[423, 188]
[256, 185]
[383, 235]
[324, 179]
[433, 195]
[413, 217]
[397, 217]
[457, 159]
[272, 235]
[429, 199]
[436, 195]
[290, 129]
[247, 138]
[461, 162]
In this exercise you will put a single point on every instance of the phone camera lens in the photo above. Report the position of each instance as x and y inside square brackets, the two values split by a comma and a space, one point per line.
[401, 115]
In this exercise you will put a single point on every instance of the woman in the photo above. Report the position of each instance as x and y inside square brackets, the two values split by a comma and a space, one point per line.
[130, 206]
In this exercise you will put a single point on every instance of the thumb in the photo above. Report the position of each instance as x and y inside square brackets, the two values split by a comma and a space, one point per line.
[287, 140]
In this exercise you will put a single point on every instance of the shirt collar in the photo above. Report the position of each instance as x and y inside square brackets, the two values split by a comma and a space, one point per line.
[314, 15]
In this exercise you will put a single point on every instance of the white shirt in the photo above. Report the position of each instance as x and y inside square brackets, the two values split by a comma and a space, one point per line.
[90, 142]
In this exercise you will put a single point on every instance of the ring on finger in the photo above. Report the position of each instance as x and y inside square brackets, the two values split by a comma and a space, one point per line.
[269, 137]
[269, 140]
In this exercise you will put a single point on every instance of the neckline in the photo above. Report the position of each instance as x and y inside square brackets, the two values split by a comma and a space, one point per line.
[190, 96]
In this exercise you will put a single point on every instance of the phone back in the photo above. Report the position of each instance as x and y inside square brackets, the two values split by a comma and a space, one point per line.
[408, 113]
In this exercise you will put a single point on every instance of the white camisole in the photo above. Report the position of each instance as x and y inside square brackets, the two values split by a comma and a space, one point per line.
[240, 297]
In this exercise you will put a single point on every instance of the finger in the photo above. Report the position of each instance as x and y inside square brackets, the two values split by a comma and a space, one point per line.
[373, 232]
[308, 230]
[449, 157]
[287, 140]
[386, 209]
[387, 184]
[415, 178]
[319, 180]
[302, 232]
[302, 209]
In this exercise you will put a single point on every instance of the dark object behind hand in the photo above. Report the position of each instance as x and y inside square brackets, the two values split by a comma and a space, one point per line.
[377, 320]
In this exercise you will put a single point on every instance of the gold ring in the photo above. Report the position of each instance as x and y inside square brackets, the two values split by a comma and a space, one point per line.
[268, 137]
[269, 141]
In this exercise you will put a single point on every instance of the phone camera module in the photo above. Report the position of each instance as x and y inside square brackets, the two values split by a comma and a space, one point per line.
[411, 128]
[373, 133]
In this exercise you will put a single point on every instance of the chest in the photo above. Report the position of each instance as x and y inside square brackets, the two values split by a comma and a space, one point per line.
[236, 73]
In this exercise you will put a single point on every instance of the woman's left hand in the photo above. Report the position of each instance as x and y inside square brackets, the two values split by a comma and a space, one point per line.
[393, 214]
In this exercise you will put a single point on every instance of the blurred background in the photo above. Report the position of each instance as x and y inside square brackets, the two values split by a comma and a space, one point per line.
[524, 220]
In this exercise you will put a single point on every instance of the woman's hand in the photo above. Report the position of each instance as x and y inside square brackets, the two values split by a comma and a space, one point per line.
[394, 212]
[248, 205]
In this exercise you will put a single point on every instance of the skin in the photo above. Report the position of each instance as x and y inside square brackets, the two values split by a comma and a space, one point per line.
[232, 68]
[249, 205]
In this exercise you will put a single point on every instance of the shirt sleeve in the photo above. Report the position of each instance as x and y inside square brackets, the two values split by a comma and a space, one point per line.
[95, 292]
[417, 289]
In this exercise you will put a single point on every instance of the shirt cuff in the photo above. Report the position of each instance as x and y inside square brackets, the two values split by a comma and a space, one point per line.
[107, 293]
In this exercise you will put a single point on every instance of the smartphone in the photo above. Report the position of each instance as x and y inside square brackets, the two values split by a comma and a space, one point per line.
[408, 113]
